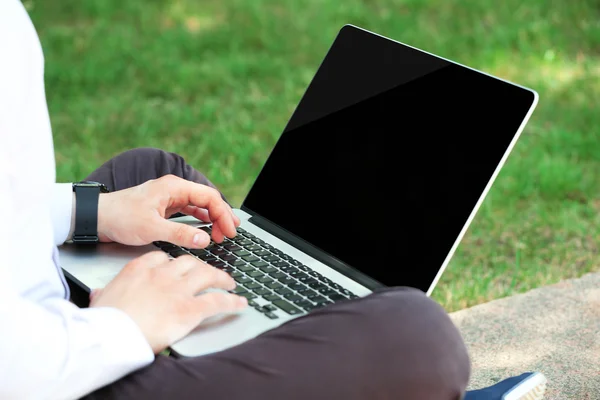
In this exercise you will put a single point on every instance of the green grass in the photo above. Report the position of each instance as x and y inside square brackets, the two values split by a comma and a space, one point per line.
[216, 81]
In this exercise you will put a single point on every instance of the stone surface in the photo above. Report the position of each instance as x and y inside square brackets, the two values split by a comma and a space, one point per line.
[554, 330]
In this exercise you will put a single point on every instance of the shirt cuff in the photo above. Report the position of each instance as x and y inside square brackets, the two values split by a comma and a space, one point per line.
[61, 211]
[123, 343]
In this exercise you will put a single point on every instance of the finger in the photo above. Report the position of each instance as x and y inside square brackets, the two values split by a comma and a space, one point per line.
[197, 212]
[181, 234]
[206, 197]
[205, 276]
[148, 260]
[182, 265]
[213, 303]
[217, 235]
[236, 220]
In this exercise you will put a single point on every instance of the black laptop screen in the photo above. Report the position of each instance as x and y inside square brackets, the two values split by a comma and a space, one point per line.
[386, 156]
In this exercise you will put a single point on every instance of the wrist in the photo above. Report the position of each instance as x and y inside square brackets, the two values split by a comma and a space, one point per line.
[103, 212]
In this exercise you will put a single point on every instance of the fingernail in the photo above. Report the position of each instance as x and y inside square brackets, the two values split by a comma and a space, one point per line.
[196, 240]
[242, 301]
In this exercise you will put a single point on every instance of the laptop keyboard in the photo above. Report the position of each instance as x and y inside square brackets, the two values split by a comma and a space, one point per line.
[266, 276]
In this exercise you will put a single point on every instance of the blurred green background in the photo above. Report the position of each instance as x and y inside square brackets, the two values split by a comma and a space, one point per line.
[216, 81]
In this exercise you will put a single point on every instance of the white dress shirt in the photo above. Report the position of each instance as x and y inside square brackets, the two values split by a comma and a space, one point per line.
[49, 348]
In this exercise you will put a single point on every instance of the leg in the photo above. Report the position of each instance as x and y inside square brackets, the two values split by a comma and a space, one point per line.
[394, 344]
[137, 166]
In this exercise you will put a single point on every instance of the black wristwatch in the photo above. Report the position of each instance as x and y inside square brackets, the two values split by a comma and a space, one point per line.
[86, 211]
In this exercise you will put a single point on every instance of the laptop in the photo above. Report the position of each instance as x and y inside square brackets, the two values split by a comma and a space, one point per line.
[373, 183]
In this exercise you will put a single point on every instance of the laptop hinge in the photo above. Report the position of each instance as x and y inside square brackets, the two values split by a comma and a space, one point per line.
[315, 253]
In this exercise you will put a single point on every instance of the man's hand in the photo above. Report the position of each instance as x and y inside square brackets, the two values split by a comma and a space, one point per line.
[138, 215]
[160, 296]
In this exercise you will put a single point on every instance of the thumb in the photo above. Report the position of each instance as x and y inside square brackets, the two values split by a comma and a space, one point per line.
[182, 234]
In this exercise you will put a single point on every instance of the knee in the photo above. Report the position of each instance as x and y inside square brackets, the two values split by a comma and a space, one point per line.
[148, 155]
[409, 330]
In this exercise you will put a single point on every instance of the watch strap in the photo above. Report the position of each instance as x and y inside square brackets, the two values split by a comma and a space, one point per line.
[86, 213]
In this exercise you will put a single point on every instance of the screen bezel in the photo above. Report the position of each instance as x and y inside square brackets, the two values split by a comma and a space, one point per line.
[343, 267]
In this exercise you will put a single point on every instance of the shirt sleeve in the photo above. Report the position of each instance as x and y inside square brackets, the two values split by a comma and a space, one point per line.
[49, 348]
[55, 350]
[61, 209]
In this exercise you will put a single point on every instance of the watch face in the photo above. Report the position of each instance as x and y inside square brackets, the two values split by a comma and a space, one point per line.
[103, 188]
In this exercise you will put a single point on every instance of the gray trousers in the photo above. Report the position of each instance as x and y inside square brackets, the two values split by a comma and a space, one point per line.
[393, 344]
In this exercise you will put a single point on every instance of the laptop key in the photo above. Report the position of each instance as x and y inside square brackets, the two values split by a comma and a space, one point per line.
[245, 268]
[250, 258]
[236, 274]
[248, 295]
[278, 274]
[262, 291]
[264, 279]
[299, 274]
[337, 297]
[178, 253]
[319, 286]
[281, 264]
[287, 280]
[210, 259]
[239, 290]
[262, 253]
[267, 268]
[305, 304]
[303, 289]
[237, 263]
[310, 294]
[282, 291]
[327, 292]
[297, 286]
[320, 300]
[259, 264]
[271, 258]
[287, 307]
[255, 274]
[269, 307]
[293, 297]
[323, 303]
[232, 247]
[229, 257]
[271, 315]
[241, 253]
[274, 285]
[253, 247]
[271, 297]
[219, 252]
[253, 285]
[243, 279]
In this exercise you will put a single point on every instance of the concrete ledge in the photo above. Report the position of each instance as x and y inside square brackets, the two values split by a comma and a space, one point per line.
[554, 330]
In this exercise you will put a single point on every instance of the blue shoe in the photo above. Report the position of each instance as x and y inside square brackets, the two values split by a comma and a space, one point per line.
[528, 386]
